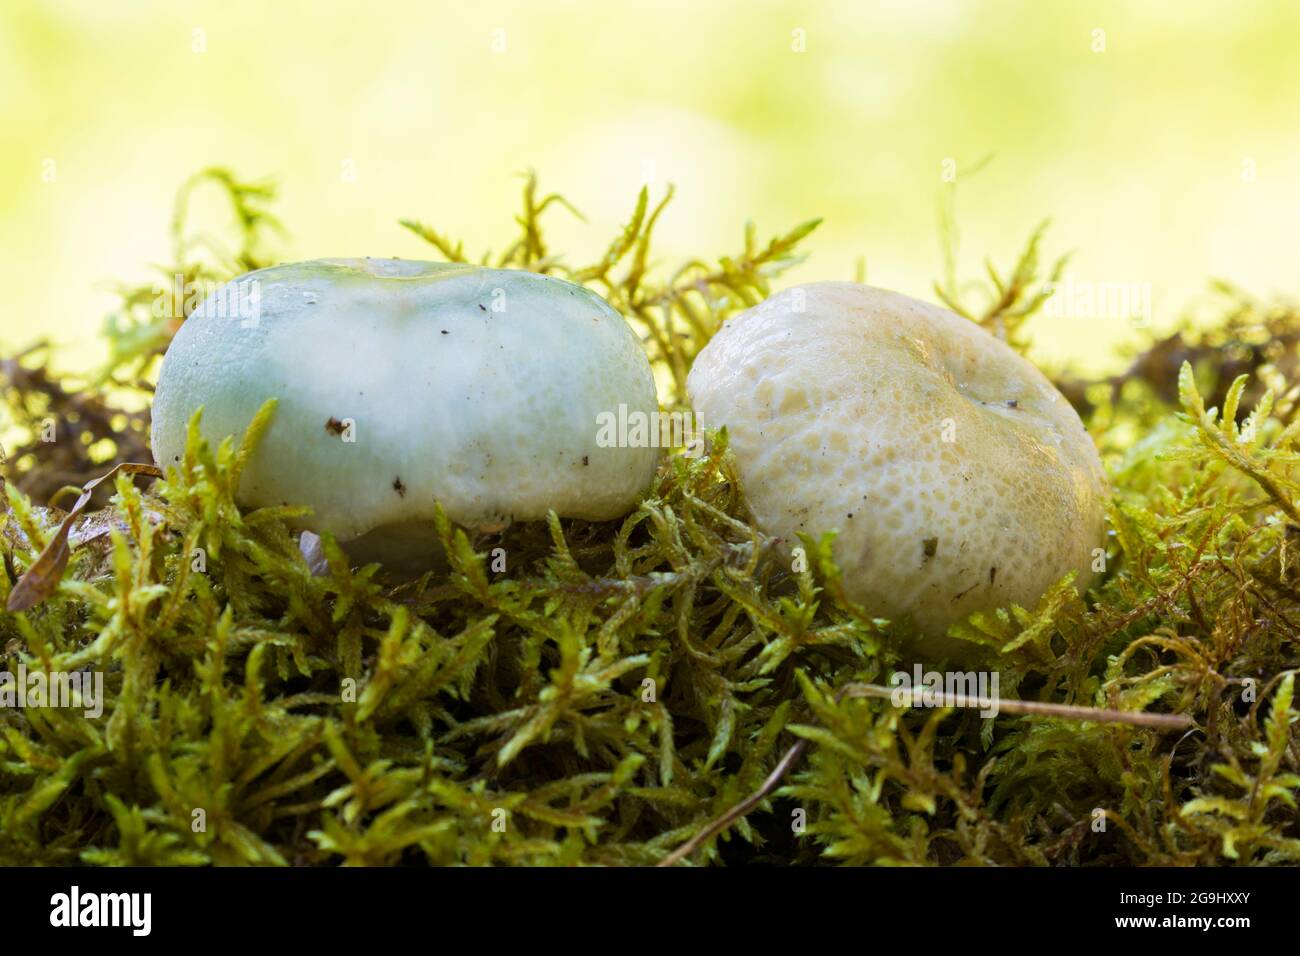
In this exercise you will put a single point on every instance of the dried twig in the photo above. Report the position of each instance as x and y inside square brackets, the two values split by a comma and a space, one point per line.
[1096, 715]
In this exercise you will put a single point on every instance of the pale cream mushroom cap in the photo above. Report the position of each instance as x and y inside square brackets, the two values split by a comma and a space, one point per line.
[479, 388]
[957, 476]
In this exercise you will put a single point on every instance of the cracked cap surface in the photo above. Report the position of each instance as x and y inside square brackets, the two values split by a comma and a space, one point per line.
[958, 477]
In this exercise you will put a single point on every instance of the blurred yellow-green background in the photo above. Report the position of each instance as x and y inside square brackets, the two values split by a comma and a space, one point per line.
[1160, 137]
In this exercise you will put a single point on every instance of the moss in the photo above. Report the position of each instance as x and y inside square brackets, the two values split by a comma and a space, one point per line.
[621, 688]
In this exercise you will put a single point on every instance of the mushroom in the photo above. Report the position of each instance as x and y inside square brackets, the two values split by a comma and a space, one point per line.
[958, 478]
[401, 384]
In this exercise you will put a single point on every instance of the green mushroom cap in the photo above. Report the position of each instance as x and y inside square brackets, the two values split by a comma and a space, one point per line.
[401, 384]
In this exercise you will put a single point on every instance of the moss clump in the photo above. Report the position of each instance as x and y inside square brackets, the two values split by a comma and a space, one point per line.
[600, 693]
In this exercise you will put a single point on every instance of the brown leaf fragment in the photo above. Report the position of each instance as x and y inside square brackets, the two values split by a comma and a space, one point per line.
[40, 580]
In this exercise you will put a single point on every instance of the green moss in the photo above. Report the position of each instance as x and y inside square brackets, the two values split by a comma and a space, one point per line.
[620, 686]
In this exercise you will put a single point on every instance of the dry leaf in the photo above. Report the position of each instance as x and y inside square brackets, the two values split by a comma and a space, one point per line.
[40, 580]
